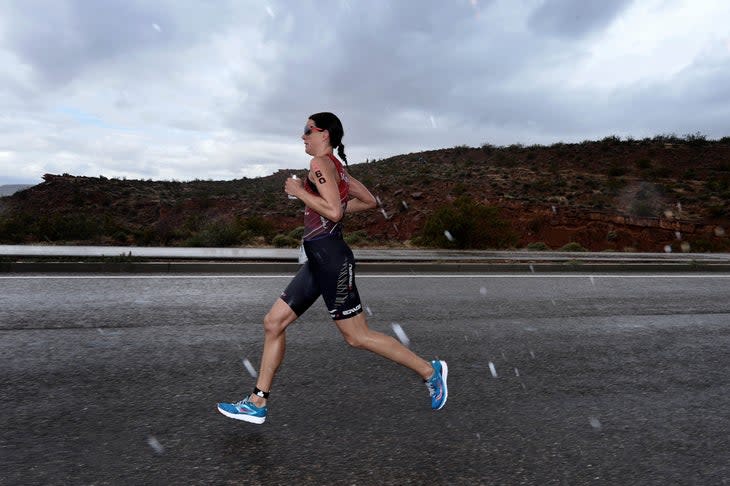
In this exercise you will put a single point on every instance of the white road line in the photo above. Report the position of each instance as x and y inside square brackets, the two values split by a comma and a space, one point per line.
[359, 276]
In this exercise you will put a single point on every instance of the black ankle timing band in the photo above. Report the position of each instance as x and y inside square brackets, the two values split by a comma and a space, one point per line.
[260, 393]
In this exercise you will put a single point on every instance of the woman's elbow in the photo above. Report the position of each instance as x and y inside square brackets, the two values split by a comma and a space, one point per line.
[337, 215]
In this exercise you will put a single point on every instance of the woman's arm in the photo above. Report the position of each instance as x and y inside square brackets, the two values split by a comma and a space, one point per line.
[362, 199]
[327, 203]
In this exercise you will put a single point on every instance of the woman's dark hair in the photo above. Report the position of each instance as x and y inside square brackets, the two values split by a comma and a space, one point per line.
[333, 125]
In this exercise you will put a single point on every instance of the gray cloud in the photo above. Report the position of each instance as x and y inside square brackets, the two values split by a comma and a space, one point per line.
[61, 39]
[222, 88]
[574, 18]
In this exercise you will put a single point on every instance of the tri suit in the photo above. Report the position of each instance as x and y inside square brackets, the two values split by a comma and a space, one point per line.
[330, 267]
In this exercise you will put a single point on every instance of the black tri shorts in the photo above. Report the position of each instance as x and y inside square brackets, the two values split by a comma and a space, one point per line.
[330, 272]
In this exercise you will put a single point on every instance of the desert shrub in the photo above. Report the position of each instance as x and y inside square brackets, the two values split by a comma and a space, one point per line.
[643, 209]
[667, 138]
[356, 237]
[284, 241]
[196, 241]
[216, 235]
[459, 189]
[707, 245]
[257, 226]
[461, 149]
[488, 148]
[616, 171]
[614, 185]
[660, 172]
[695, 139]
[15, 227]
[467, 224]
[717, 210]
[572, 246]
[297, 233]
[538, 246]
[537, 223]
[67, 227]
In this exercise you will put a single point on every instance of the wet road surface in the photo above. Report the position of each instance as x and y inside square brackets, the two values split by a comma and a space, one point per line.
[554, 379]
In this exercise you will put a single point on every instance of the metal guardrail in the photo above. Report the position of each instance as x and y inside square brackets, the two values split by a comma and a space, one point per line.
[364, 254]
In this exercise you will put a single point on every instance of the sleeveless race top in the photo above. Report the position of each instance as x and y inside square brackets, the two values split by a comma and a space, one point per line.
[317, 226]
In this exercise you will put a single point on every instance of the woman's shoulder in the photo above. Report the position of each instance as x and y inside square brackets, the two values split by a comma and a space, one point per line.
[320, 162]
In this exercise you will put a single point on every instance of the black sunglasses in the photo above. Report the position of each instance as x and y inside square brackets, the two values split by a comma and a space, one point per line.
[308, 130]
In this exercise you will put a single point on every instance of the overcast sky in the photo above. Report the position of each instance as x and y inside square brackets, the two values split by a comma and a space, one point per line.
[220, 89]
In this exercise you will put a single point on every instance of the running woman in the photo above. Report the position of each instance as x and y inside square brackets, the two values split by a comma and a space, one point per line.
[328, 193]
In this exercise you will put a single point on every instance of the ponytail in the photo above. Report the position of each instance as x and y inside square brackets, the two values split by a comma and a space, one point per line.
[341, 153]
[329, 121]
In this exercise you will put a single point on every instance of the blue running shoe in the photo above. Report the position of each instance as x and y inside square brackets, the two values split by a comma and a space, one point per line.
[437, 384]
[244, 410]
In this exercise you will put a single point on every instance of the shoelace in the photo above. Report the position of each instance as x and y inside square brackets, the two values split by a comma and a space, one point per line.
[243, 403]
[431, 388]
[247, 403]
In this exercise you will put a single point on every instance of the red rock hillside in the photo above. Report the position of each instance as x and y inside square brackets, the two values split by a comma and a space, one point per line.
[606, 195]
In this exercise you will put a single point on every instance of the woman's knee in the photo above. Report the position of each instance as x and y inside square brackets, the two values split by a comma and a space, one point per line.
[356, 339]
[274, 323]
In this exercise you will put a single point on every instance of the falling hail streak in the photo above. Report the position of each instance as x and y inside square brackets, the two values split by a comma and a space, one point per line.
[398, 330]
[249, 368]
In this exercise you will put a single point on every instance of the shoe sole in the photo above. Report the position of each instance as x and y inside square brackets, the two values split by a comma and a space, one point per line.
[241, 416]
[444, 375]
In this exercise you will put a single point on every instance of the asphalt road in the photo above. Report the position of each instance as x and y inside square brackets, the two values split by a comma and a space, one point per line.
[554, 379]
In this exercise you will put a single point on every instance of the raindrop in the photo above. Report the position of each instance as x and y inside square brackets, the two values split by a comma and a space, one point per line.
[483, 291]
[271, 13]
[249, 367]
[532, 269]
[719, 231]
[449, 236]
[678, 235]
[595, 423]
[367, 309]
[157, 27]
[532, 354]
[667, 248]
[405, 205]
[155, 444]
[517, 372]
[398, 330]
[492, 370]
[685, 247]
[592, 281]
